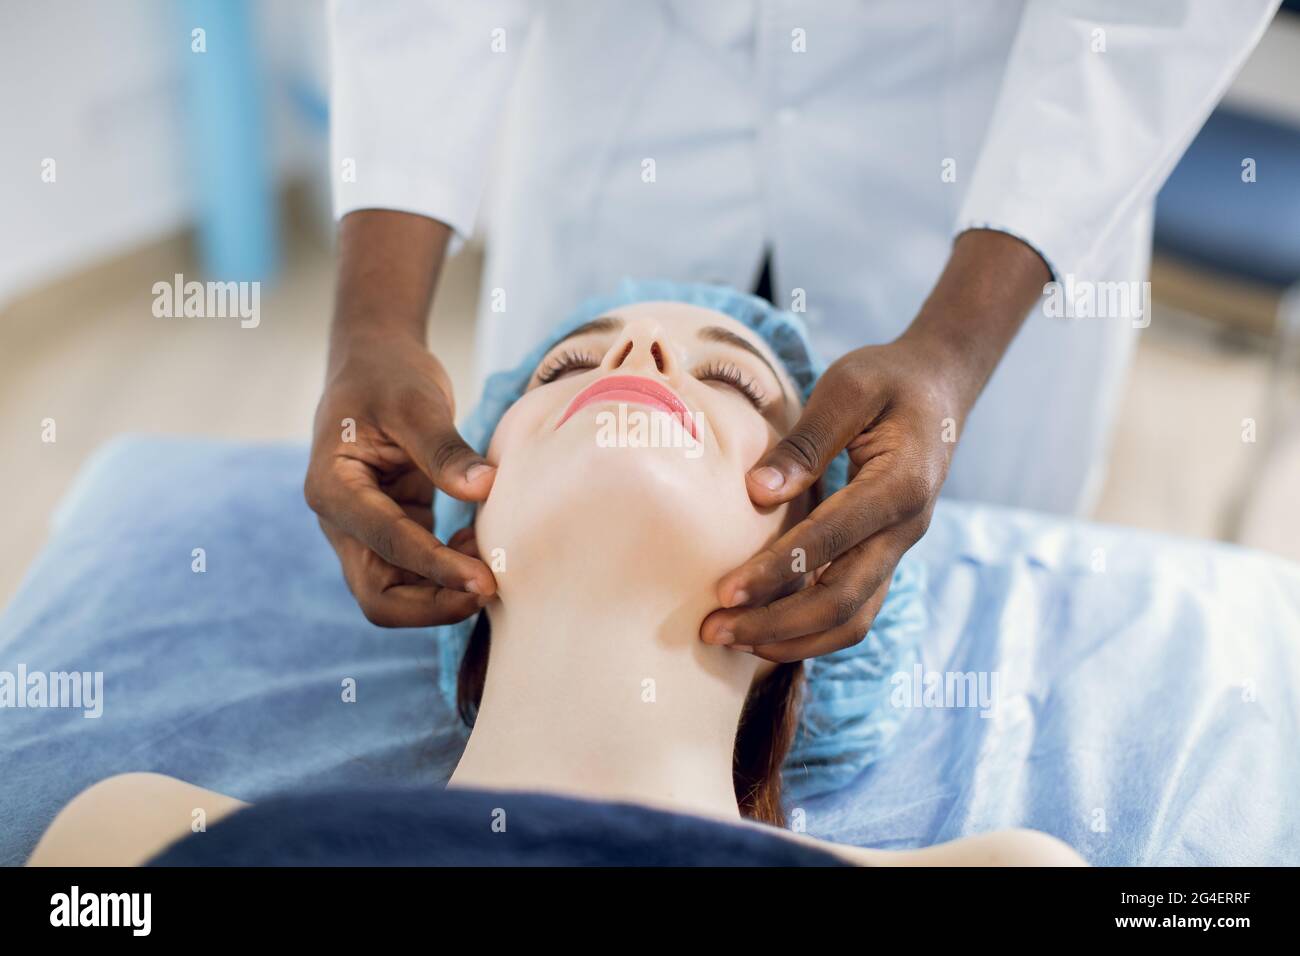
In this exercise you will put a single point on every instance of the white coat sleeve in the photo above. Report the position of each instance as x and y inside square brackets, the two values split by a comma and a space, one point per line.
[1099, 100]
[417, 92]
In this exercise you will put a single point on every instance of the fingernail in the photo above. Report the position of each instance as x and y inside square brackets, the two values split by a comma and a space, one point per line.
[476, 471]
[723, 637]
[769, 477]
[746, 648]
[738, 598]
[473, 588]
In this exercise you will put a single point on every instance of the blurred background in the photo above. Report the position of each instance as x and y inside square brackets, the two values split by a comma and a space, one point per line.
[161, 168]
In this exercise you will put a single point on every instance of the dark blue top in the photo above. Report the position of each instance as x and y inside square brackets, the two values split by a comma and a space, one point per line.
[422, 827]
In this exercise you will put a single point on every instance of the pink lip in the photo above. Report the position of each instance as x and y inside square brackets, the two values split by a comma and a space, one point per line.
[633, 389]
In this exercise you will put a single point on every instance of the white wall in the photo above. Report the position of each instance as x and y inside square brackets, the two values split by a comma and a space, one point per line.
[1267, 83]
[97, 87]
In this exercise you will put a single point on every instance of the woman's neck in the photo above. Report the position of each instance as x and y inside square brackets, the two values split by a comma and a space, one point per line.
[598, 686]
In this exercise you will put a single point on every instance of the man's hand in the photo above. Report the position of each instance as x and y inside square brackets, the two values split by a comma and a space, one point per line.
[886, 405]
[385, 437]
[898, 410]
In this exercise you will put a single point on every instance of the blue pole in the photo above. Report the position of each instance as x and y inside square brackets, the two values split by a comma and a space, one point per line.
[228, 147]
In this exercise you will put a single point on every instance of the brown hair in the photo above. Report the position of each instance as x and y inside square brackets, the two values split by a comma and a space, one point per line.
[767, 725]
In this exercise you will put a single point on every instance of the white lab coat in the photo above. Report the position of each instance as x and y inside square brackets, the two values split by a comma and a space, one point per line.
[822, 130]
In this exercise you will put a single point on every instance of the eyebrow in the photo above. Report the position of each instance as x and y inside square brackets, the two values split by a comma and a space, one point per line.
[710, 333]
[606, 323]
[715, 333]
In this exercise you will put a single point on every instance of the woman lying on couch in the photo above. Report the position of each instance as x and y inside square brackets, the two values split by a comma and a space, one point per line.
[619, 501]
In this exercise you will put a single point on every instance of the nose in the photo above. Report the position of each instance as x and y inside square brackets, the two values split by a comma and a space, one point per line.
[640, 350]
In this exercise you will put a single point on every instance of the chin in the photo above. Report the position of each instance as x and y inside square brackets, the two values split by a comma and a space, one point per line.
[624, 505]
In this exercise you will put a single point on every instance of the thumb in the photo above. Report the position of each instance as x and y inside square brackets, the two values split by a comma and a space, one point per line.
[450, 463]
[828, 423]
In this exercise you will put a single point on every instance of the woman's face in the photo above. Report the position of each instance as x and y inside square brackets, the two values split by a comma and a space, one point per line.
[641, 423]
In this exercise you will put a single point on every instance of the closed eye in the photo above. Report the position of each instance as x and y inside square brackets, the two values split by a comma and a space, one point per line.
[565, 363]
[731, 375]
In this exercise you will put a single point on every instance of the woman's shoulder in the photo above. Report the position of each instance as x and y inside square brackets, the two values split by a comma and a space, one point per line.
[126, 819]
[1018, 847]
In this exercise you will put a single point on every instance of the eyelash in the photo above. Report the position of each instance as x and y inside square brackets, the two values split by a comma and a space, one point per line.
[729, 374]
[725, 372]
[562, 363]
